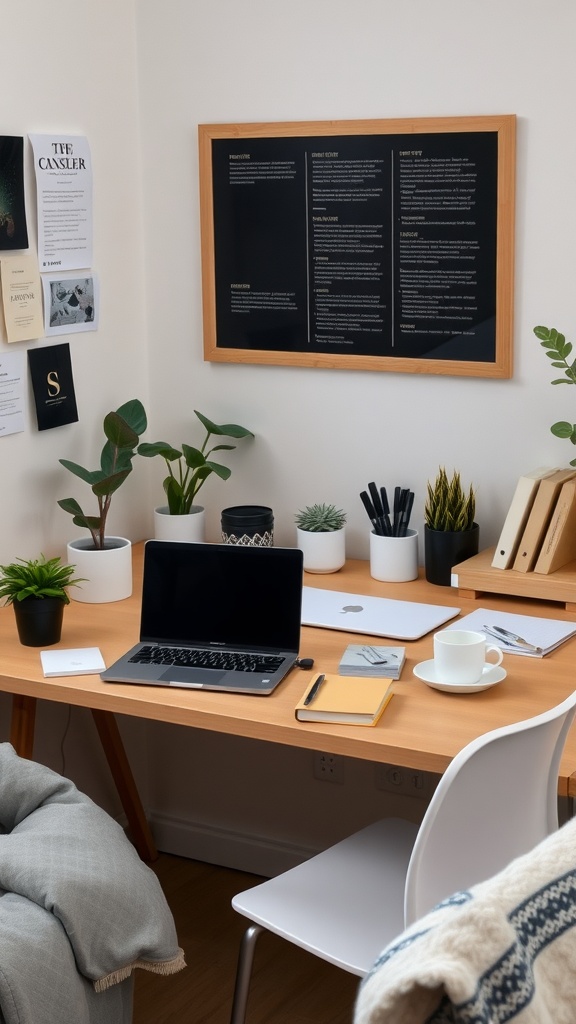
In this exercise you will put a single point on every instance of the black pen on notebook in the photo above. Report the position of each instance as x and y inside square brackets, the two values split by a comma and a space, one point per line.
[314, 691]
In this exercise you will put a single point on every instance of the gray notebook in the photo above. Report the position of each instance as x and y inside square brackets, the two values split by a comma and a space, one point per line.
[376, 616]
[215, 617]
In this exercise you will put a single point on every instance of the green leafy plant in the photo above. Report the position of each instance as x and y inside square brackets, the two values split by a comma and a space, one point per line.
[189, 467]
[558, 351]
[320, 518]
[448, 506]
[122, 429]
[39, 577]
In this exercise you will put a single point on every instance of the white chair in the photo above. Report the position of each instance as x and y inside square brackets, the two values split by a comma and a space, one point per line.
[496, 800]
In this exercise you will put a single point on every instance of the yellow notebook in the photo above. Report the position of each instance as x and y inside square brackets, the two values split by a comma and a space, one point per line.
[351, 700]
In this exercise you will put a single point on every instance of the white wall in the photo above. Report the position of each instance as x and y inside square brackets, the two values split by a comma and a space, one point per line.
[323, 434]
[71, 68]
[127, 74]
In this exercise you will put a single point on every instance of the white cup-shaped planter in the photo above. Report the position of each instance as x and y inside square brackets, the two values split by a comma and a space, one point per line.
[323, 552]
[189, 527]
[107, 572]
[394, 559]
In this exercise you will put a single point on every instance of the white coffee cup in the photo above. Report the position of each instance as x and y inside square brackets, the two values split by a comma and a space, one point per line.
[461, 655]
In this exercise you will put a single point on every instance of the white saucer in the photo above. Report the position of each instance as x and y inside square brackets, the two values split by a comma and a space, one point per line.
[492, 674]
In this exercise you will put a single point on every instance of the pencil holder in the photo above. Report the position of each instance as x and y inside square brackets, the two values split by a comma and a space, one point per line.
[394, 559]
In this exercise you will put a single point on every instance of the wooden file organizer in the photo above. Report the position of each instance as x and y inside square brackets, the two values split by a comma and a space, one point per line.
[476, 577]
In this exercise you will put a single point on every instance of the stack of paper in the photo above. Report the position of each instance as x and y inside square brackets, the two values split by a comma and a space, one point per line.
[372, 660]
[544, 634]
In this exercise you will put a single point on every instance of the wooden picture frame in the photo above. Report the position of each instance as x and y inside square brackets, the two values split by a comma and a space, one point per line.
[365, 245]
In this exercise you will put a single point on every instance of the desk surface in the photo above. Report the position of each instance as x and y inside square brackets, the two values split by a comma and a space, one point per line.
[421, 728]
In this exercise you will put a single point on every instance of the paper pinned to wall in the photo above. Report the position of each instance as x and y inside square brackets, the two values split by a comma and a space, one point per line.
[22, 298]
[64, 198]
[12, 394]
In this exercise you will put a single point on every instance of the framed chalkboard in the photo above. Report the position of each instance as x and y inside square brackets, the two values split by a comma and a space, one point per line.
[371, 245]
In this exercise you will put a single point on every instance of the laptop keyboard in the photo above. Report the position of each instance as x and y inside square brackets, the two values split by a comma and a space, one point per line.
[184, 657]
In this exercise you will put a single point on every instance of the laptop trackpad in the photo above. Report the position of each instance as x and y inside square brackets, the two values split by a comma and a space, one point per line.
[191, 676]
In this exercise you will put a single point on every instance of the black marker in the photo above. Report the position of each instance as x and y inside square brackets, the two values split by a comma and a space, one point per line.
[314, 691]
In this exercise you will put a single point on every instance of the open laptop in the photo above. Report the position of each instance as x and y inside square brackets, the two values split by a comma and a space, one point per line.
[378, 616]
[215, 617]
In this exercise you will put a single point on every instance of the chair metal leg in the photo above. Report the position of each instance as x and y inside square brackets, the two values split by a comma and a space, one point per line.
[244, 973]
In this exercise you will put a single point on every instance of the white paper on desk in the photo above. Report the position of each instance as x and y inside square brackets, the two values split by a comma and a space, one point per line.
[544, 633]
[72, 661]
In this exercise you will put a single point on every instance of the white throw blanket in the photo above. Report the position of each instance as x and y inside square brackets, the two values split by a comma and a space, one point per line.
[504, 951]
[79, 910]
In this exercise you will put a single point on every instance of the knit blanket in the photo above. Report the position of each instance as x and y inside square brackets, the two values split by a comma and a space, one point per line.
[79, 910]
[503, 951]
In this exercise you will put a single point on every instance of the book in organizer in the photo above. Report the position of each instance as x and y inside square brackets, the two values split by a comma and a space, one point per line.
[517, 516]
[372, 660]
[539, 519]
[559, 544]
[349, 700]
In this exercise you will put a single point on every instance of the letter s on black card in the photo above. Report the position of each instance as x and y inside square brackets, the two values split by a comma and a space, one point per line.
[53, 385]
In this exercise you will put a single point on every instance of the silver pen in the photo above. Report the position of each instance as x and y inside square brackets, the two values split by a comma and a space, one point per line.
[499, 633]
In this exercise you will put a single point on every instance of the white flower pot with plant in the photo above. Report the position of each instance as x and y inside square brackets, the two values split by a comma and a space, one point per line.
[188, 468]
[105, 562]
[321, 536]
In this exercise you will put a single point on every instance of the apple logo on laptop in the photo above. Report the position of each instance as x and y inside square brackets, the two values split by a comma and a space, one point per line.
[352, 608]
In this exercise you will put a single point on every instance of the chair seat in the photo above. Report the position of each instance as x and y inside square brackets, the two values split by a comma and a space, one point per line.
[347, 914]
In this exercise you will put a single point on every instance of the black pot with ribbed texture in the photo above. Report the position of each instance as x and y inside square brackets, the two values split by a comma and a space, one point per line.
[39, 620]
[445, 548]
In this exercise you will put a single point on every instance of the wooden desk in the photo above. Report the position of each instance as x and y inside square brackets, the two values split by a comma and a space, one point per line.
[421, 728]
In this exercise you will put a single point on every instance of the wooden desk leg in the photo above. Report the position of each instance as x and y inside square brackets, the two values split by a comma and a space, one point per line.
[22, 724]
[122, 774]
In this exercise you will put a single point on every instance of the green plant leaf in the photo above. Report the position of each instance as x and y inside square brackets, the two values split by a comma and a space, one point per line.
[149, 450]
[562, 429]
[87, 475]
[222, 471]
[223, 429]
[110, 483]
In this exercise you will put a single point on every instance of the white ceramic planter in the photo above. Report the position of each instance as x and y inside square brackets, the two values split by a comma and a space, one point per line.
[189, 527]
[323, 552]
[107, 572]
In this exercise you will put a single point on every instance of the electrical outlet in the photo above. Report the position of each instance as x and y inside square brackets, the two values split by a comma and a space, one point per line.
[407, 781]
[328, 767]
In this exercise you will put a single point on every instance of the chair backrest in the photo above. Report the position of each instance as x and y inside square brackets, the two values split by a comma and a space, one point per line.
[497, 799]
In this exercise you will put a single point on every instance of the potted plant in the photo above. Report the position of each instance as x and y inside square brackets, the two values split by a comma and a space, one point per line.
[558, 350]
[450, 533]
[106, 561]
[188, 468]
[37, 590]
[321, 536]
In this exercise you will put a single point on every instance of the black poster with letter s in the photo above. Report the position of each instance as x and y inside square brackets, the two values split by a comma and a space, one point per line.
[53, 386]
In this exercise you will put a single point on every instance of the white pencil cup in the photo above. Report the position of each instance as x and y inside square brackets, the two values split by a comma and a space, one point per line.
[394, 559]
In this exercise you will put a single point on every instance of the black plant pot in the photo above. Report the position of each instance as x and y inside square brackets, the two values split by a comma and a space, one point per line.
[39, 620]
[443, 549]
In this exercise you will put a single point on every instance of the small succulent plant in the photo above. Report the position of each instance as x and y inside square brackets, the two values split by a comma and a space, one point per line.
[448, 506]
[320, 518]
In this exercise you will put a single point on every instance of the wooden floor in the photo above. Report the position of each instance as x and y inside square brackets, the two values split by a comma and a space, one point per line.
[289, 986]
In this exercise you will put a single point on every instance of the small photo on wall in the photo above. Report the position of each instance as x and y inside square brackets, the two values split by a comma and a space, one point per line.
[71, 304]
[13, 228]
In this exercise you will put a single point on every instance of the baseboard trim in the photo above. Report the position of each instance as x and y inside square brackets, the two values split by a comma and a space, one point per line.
[258, 855]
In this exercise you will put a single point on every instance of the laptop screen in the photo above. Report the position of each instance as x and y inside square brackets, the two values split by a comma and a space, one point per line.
[248, 597]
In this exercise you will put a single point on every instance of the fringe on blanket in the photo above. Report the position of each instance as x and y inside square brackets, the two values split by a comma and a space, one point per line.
[177, 963]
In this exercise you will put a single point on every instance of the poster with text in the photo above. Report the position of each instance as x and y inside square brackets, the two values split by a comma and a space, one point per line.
[22, 298]
[64, 195]
[13, 230]
[12, 393]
